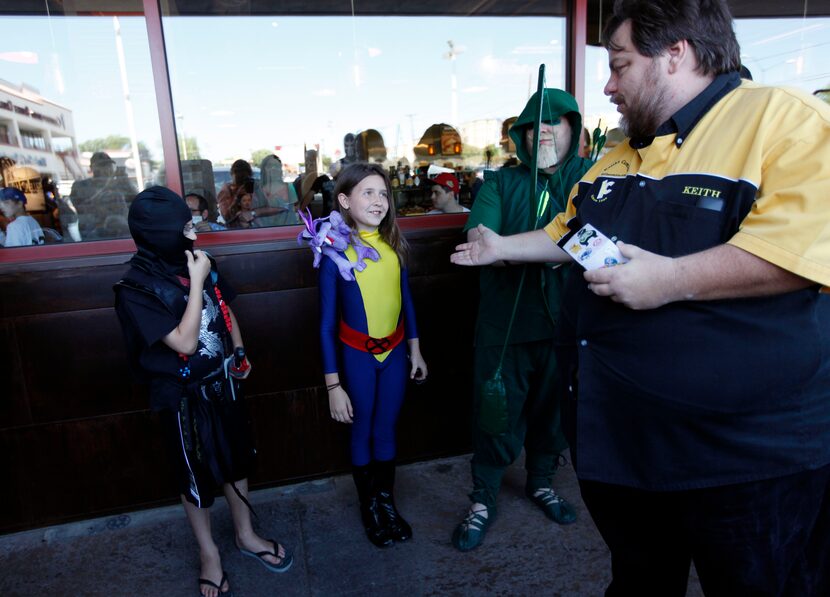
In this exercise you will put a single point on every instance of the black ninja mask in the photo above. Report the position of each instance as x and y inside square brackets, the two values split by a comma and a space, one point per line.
[156, 219]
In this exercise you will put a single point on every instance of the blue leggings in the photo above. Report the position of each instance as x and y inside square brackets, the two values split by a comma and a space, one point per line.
[377, 391]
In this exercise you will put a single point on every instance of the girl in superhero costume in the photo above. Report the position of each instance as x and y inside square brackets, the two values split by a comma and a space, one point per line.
[366, 313]
[181, 337]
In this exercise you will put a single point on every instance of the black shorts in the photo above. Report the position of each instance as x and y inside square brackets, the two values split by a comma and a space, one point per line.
[209, 442]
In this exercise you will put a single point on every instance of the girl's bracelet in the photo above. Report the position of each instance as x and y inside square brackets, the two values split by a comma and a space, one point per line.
[332, 386]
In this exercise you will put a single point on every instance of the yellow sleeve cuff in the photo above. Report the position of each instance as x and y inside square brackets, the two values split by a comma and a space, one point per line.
[796, 264]
[556, 228]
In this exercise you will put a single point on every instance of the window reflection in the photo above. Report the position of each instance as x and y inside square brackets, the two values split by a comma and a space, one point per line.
[79, 131]
[406, 92]
[275, 200]
[777, 51]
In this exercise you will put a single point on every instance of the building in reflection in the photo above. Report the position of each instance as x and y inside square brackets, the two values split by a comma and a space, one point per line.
[39, 136]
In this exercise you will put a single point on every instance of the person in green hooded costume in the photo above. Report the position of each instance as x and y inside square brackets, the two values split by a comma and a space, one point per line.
[529, 368]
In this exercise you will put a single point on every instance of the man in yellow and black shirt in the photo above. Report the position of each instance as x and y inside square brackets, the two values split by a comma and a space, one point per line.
[701, 421]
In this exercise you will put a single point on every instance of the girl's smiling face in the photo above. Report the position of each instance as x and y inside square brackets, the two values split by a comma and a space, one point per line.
[367, 204]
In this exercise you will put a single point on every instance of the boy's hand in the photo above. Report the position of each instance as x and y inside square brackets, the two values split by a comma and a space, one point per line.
[243, 372]
[198, 265]
[340, 405]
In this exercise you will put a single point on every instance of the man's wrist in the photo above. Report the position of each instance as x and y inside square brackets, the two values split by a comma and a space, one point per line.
[674, 290]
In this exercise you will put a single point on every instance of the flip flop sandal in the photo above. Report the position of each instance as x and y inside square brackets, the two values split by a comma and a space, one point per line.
[284, 562]
[210, 583]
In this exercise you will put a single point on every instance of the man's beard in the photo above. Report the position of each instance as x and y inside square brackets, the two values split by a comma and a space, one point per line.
[643, 111]
[547, 157]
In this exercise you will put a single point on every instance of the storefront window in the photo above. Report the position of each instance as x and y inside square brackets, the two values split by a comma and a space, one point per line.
[284, 101]
[79, 126]
[777, 51]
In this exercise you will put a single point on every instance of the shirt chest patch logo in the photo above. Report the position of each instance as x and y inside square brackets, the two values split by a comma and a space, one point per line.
[618, 168]
[604, 191]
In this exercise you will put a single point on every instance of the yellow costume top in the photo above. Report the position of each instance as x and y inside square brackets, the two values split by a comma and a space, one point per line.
[380, 287]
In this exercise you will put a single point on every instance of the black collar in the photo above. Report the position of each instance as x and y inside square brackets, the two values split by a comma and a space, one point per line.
[685, 119]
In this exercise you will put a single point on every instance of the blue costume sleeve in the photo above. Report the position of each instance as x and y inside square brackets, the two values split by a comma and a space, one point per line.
[408, 307]
[328, 314]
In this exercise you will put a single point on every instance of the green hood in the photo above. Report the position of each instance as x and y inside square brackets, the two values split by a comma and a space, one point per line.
[556, 104]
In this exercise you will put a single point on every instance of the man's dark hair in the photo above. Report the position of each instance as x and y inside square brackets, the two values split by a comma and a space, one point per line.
[657, 24]
[203, 204]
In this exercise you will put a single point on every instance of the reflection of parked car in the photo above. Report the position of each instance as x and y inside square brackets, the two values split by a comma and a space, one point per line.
[222, 174]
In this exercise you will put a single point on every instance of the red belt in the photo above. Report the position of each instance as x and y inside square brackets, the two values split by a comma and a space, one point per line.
[360, 341]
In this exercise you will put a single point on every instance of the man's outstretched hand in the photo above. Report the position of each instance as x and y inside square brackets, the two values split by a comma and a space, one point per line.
[482, 249]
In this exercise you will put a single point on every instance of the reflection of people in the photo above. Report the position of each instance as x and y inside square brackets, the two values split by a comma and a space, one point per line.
[274, 199]
[182, 337]
[101, 202]
[51, 197]
[444, 190]
[699, 371]
[198, 206]
[241, 213]
[240, 172]
[350, 155]
[363, 324]
[22, 230]
[308, 180]
[474, 183]
[585, 144]
[529, 367]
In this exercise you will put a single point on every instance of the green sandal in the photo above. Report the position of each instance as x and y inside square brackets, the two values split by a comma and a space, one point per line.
[553, 505]
[469, 534]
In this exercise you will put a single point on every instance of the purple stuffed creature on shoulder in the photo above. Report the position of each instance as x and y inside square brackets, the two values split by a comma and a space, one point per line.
[331, 236]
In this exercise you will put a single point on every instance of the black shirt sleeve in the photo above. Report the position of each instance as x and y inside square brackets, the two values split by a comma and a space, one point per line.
[147, 316]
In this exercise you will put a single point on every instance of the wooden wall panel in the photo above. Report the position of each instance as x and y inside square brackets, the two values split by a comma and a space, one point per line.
[76, 365]
[61, 290]
[87, 466]
[14, 409]
[280, 334]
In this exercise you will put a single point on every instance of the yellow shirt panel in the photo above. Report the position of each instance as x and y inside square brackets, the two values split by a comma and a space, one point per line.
[778, 140]
[380, 287]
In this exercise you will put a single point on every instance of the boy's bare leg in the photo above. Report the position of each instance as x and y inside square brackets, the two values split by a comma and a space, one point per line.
[208, 552]
[246, 538]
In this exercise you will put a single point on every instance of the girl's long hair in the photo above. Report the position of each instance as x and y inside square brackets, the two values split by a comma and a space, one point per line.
[347, 180]
[241, 171]
[265, 170]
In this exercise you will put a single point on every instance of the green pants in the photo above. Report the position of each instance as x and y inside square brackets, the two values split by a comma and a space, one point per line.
[530, 379]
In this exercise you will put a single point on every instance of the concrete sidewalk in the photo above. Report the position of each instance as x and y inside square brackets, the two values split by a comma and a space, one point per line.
[152, 552]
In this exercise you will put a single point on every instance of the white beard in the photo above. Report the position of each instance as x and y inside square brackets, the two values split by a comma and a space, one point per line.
[547, 157]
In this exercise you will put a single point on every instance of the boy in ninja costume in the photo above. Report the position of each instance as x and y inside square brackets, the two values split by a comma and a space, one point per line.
[181, 336]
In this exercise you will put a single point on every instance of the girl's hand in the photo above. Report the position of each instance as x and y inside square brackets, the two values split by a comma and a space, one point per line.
[340, 405]
[418, 367]
[198, 265]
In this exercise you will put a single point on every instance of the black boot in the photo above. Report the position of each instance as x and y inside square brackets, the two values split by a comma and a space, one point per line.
[369, 511]
[398, 528]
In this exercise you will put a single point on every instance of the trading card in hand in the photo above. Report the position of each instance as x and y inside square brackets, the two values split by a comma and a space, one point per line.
[591, 249]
